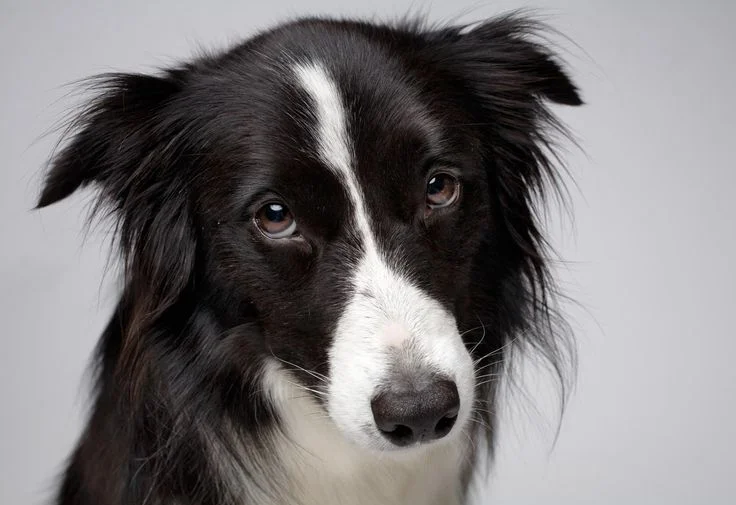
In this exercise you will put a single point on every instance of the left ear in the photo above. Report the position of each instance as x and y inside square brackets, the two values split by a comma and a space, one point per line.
[503, 58]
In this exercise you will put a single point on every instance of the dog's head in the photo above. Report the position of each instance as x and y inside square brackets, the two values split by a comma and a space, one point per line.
[352, 201]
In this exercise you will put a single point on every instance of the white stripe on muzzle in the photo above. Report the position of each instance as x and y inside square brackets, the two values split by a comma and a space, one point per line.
[387, 320]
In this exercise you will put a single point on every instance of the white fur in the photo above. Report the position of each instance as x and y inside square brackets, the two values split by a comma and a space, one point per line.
[387, 316]
[321, 467]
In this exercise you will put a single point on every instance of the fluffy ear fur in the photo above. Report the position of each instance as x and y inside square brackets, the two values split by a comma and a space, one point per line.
[503, 57]
[511, 78]
[120, 144]
[106, 137]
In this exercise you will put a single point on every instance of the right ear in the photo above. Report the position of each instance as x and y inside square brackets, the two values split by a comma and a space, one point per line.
[130, 142]
[109, 135]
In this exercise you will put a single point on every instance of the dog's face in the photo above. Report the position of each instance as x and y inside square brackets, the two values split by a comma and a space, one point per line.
[359, 211]
[357, 197]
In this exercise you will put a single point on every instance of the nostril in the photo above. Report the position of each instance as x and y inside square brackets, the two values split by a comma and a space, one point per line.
[444, 425]
[400, 435]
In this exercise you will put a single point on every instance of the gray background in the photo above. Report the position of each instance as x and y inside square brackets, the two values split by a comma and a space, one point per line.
[649, 253]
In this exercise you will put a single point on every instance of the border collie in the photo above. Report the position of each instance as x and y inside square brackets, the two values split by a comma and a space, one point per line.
[330, 249]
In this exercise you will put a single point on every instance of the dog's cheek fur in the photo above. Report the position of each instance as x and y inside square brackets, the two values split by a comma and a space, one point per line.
[167, 376]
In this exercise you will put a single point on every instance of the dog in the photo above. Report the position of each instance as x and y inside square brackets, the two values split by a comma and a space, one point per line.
[330, 249]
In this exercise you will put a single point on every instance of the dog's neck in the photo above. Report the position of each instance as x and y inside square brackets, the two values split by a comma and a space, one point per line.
[321, 467]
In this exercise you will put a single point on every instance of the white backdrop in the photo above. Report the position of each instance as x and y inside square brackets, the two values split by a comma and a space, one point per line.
[649, 256]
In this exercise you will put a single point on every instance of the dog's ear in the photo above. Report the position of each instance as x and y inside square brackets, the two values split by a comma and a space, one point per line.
[128, 143]
[506, 77]
[504, 59]
[107, 139]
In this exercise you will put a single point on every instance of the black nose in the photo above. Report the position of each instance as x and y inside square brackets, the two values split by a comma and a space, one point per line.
[408, 416]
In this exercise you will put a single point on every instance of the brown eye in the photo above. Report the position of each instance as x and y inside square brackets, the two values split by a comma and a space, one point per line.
[275, 220]
[442, 190]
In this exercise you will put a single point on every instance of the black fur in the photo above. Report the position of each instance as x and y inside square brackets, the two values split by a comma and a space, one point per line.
[182, 159]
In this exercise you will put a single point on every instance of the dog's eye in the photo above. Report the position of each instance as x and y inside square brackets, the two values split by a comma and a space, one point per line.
[275, 220]
[442, 190]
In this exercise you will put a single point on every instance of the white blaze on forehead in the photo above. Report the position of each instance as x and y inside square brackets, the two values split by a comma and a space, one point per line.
[333, 141]
[334, 144]
[385, 311]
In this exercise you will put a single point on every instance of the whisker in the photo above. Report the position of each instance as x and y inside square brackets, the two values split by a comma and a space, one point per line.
[314, 374]
[488, 375]
[481, 337]
[487, 402]
[485, 382]
[499, 350]
[486, 411]
[492, 363]
[305, 388]
[480, 422]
